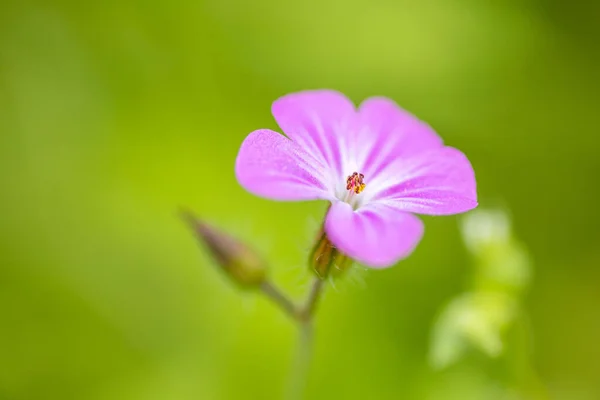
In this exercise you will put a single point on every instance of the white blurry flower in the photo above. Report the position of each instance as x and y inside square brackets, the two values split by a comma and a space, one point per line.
[502, 263]
[481, 228]
[478, 319]
[471, 321]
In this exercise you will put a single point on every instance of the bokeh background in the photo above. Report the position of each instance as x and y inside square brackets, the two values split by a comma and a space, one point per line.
[114, 113]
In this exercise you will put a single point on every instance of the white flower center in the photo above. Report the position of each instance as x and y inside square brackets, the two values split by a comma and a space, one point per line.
[354, 186]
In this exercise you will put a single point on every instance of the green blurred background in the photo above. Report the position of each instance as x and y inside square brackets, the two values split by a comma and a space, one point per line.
[113, 114]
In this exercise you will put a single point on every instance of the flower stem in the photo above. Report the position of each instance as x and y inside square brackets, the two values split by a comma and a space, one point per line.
[310, 307]
[303, 315]
[301, 363]
[279, 299]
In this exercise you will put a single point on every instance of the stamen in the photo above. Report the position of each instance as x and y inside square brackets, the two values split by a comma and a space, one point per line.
[354, 183]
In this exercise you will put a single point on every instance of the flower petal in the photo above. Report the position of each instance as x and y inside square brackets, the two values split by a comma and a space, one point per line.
[438, 182]
[272, 166]
[316, 120]
[377, 235]
[389, 132]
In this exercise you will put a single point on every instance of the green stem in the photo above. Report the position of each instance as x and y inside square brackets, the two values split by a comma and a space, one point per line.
[301, 367]
[281, 300]
[310, 307]
[301, 364]
[303, 315]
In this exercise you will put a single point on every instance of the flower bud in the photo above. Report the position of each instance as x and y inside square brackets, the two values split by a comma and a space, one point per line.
[325, 259]
[239, 261]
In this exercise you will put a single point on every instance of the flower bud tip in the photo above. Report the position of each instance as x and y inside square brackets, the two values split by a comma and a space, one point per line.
[239, 261]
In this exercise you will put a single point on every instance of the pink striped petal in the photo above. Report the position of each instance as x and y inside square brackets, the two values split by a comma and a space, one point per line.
[272, 166]
[376, 235]
[317, 120]
[388, 132]
[437, 182]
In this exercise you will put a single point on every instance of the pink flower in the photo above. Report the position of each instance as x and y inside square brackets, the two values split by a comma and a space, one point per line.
[376, 165]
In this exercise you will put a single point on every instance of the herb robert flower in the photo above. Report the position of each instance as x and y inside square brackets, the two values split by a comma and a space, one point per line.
[378, 165]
